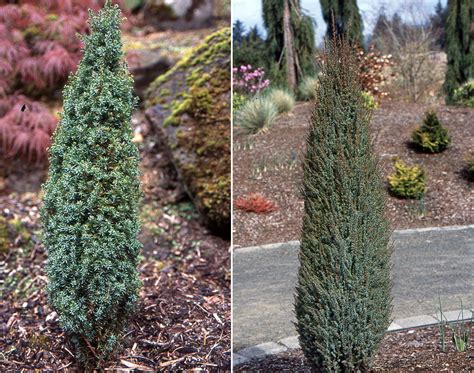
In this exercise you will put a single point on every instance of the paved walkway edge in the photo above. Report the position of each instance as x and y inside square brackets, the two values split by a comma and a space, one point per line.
[400, 231]
[291, 343]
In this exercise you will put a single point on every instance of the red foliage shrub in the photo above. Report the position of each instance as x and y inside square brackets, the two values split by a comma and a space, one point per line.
[372, 71]
[39, 48]
[255, 202]
[25, 133]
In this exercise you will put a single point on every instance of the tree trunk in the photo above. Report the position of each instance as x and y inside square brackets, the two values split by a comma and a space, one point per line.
[289, 47]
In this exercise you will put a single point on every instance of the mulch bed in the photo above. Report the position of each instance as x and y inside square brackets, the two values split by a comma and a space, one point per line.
[183, 317]
[415, 350]
[269, 163]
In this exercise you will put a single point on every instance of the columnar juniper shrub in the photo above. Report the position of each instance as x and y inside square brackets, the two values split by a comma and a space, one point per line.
[343, 301]
[407, 182]
[91, 198]
[431, 137]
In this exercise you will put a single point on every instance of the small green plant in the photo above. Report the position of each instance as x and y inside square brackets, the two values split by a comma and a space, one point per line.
[307, 88]
[407, 182]
[470, 167]
[237, 101]
[464, 95]
[431, 137]
[256, 115]
[369, 101]
[283, 100]
[460, 331]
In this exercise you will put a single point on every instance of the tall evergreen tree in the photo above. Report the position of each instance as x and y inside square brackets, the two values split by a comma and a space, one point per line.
[438, 24]
[90, 212]
[459, 45]
[238, 32]
[251, 50]
[345, 17]
[300, 35]
[343, 302]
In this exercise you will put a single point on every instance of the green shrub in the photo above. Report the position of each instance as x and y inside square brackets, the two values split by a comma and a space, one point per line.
[431, 137]
[407, 182]
[470, 167]
[283, 100]
[238, 100]
[90, 211]
[464, 95]
[369, 101]
[343, 302]
[256, 115]
[307, 88]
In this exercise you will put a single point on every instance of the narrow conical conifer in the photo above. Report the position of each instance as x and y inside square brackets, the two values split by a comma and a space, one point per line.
[343, 302]
[459, 46]
[92, 197]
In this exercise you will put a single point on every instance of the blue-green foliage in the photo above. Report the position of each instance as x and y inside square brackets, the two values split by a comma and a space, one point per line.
[90, 212]
[343, 302]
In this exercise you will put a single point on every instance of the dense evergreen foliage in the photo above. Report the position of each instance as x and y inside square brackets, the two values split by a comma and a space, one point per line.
[92, 196]
[302, 29]
[343, 18]
[431, 137]
[459, 45]
[407, 181]
[249, 47]
[343, 302]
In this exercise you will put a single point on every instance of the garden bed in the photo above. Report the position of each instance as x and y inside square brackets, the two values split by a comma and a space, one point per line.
[414, 350]
[269, 163]
[183, 317]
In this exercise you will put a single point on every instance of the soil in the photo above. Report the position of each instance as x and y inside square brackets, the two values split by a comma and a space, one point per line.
[269, 163]
[415, 350]
[183, 317]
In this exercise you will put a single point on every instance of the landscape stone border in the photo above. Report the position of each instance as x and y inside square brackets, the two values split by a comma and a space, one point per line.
[291, 343]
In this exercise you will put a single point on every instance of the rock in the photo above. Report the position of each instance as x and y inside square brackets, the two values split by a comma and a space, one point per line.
[189, 109]
[179, 14]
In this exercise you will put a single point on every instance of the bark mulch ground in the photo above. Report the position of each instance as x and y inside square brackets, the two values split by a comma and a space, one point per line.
[415, 350]
[183, 317]
[269, 163]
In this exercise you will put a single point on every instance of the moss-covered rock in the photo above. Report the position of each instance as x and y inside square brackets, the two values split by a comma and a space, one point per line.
[190, 108]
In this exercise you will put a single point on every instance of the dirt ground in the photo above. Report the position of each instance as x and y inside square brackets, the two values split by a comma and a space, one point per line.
[183, 317]
[269, 163]
[415, 350]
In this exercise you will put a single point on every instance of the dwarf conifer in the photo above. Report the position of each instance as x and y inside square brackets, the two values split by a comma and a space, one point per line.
[343, 301]
[91, 197]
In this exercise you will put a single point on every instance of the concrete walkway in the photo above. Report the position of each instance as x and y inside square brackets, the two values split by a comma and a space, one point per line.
[427, 263]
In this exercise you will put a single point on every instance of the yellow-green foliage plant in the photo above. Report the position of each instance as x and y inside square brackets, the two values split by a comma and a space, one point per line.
[407, 182]
[256, 115]
[431, 137]
[282, 99]
[369, 101]
[90, 211]
[343, 302]
[464, 95]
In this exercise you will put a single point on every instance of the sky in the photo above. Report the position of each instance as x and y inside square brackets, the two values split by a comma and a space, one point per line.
[250, 12]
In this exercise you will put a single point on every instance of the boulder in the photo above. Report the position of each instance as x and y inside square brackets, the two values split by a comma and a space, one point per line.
[189, 108]
[179, 14]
